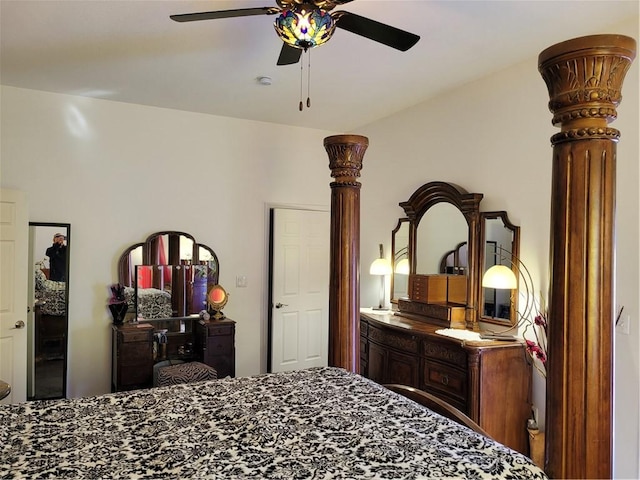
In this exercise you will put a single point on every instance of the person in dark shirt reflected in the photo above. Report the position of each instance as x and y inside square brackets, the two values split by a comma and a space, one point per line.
[57, 254]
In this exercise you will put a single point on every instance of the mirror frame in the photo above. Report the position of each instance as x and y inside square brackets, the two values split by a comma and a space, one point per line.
[515, 252]
[420, 202]
[149, 252]
[31, 371]
[401, 221]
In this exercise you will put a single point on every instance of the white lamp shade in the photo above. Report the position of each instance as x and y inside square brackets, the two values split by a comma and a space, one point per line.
[402, 267]
[381, 266]
[500, 277]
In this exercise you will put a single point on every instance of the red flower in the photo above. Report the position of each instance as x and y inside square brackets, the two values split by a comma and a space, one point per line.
[534, 349]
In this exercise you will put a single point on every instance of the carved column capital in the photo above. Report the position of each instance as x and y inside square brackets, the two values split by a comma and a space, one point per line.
[584, 78]
[345, 157]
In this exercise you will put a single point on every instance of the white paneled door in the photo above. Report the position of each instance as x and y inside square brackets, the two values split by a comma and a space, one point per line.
[299, 289]
[14, 238]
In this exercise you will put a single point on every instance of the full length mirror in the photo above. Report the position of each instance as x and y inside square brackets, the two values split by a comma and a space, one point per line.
[49, 246]
[501, 241]
[167, 275]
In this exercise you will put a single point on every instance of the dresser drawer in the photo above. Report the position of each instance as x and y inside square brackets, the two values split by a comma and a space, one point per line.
[220, 330]
[402, 342]
[133, 336]
[447, 380]
[135, 355]
[444, 352]
[219, 345]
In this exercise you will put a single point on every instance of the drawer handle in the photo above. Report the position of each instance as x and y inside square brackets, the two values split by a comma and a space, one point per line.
[444, 380]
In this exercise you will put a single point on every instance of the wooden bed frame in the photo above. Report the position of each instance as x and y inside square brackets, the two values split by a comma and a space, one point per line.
[439, 406]
[584, 77]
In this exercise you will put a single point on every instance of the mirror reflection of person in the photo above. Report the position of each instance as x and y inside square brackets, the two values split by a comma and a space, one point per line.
[57, 254]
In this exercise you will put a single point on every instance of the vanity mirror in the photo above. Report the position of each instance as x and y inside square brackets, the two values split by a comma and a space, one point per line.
[502, 241]
[168, 275]
[49, 247]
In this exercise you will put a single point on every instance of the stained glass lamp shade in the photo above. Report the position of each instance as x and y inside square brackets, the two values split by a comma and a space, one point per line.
[305, 26]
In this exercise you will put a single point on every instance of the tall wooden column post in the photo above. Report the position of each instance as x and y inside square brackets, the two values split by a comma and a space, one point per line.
[584, 77]
[345, 161]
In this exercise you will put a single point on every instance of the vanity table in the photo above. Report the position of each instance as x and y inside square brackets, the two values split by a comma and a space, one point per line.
[212, 343]
[487, 380]
[169, 280]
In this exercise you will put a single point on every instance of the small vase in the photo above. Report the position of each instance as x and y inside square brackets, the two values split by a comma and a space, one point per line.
[118, 311]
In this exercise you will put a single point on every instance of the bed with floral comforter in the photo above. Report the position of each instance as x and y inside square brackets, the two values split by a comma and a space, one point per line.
[318, 423]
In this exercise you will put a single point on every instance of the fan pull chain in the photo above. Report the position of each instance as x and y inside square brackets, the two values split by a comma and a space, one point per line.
[301, 105]
[301, 75]
[309, 81]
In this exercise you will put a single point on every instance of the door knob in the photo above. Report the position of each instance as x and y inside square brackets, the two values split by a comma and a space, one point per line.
[19, 324]
[280, 305]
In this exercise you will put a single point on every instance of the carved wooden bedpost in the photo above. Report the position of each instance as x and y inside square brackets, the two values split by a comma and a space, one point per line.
[584, 77]
[345, 161]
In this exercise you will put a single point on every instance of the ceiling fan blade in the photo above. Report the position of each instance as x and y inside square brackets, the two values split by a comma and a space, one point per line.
[239, 12]
[376, 31]
[289, 55]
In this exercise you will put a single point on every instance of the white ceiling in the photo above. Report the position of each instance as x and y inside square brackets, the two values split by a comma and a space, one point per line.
[130, 51]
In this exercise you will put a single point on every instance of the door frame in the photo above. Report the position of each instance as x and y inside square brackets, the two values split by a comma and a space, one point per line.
[265, 325]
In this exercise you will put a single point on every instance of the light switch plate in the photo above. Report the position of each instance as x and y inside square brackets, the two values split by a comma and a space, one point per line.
[241, 281]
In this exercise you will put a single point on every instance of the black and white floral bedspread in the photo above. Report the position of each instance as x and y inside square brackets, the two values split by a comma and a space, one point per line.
[319, 423]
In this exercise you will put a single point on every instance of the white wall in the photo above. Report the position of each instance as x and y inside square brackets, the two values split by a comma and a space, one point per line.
[492, 137]
[89, 162]
[119, 172]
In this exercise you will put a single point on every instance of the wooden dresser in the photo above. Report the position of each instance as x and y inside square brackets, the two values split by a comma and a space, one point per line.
[489, 381]
[210, 342]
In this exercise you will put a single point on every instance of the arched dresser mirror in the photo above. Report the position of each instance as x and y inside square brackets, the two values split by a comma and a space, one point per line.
[441, 217]
[49, 248]
[501, 240]
[451, 243]
[168, 275]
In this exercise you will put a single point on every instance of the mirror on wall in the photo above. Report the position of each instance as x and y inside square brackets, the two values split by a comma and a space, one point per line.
[400, 262]
[49, 247]
[167, 275]
[501, 241]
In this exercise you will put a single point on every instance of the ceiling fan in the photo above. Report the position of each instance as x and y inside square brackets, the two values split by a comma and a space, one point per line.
[304, 24]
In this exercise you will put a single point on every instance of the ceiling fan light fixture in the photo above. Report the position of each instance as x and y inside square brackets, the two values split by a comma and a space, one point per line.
[304, 26]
